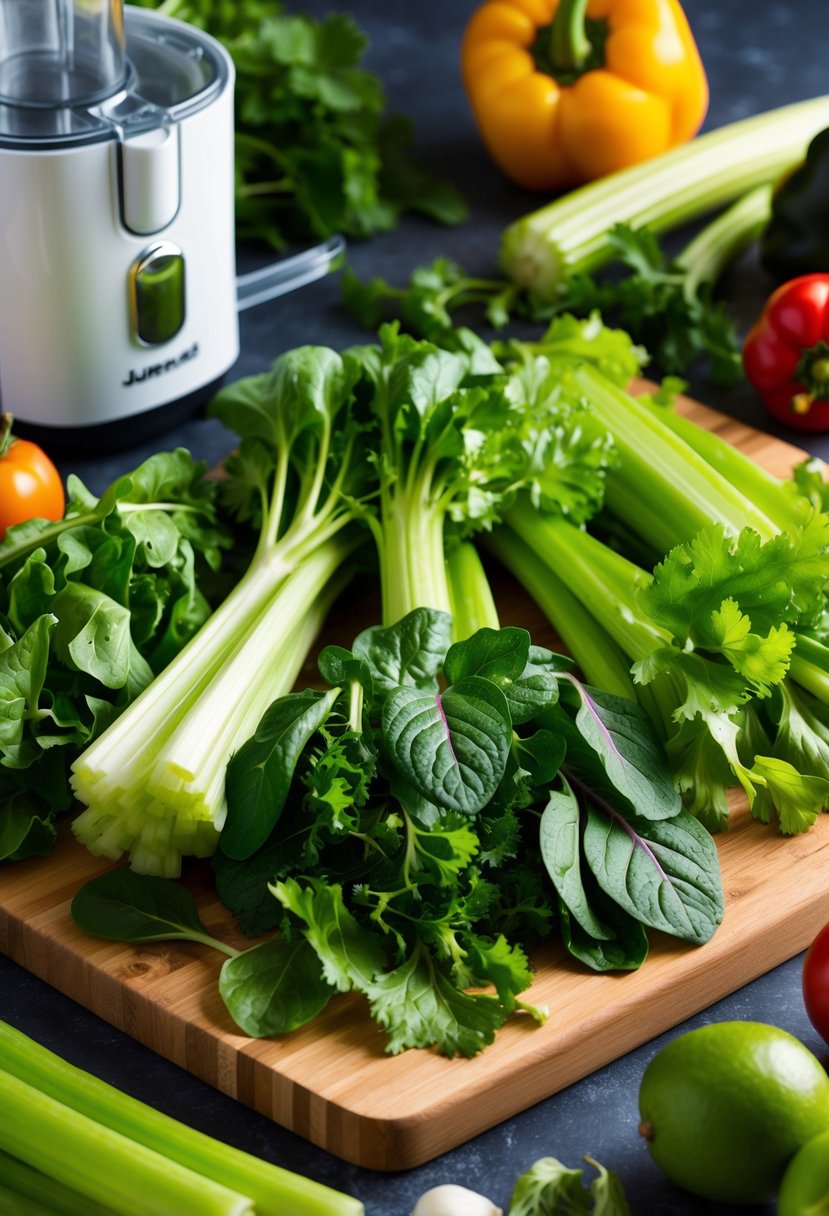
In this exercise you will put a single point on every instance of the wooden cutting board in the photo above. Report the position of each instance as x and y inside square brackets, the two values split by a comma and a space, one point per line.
[332, 1082]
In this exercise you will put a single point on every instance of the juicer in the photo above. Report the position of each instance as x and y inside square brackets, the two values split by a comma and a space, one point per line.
[118, 288]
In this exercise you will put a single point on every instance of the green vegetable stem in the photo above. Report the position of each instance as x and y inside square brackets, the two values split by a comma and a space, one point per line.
[60, 1119]
[153, 782]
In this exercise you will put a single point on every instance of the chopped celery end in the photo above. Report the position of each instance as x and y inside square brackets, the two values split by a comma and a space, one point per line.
[175, 806]
[541, 250]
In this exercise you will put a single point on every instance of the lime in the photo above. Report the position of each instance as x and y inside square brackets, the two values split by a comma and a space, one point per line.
[725, 1107]
[804, 1190]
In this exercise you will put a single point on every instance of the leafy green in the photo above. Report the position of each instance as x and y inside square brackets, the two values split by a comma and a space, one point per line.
[675, 318]
[452, 746]
[92, 607]
[129, 907]
[260, 773]
[657, 299]
[391, 873]
[316, 150]
[274, 987]
[549, 1187]
[408, 853]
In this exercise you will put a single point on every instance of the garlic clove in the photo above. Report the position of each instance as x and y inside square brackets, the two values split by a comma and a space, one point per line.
[452, 1200]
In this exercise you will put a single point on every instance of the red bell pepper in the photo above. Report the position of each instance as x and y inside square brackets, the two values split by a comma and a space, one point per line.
[786, 353]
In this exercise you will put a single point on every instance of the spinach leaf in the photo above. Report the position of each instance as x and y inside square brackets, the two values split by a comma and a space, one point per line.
[499, 655]
[409, 653]
[274, 987]
[625, 951]
[526, 674]
[129, 907]
[24, 832]
[271, 988]
[663, 872]
[560, 842]
[611, 745]
[339, 666]
[242, 886]
[452, 746]
[260, 774]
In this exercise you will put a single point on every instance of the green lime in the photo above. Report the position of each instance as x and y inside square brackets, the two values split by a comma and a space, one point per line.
[725, 1107]
[804, 1190]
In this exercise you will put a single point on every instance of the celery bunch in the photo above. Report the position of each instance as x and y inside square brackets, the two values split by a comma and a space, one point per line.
[727, 637]
[70, 1143]
[153, 782]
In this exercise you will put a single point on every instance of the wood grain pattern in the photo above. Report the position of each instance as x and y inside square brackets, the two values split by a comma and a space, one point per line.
[332, 1082]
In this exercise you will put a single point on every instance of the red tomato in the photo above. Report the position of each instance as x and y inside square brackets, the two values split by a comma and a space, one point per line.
[30, 485]
[816, 983]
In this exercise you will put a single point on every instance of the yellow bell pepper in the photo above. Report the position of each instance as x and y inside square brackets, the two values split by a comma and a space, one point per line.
[566, 91]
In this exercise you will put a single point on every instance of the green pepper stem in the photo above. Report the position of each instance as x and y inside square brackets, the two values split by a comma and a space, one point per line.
[6, 421]
[812, 372]
[569, 44]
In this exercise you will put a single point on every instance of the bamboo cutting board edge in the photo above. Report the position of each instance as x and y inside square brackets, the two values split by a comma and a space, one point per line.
[331, 1082]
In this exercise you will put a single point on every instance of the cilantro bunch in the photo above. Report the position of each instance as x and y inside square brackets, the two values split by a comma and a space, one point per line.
[316, 150]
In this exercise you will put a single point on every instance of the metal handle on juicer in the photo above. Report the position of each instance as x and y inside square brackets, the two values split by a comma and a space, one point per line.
[287, 274]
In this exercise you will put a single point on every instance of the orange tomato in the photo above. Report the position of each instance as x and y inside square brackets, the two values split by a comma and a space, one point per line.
[30, 485]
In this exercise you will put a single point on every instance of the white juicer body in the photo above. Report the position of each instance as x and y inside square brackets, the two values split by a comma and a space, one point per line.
[77, 222]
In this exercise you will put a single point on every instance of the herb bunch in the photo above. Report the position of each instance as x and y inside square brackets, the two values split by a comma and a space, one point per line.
[316, 150]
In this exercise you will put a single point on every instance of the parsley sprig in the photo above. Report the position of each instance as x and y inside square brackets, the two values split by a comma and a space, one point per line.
[316, 150]
[659, 300]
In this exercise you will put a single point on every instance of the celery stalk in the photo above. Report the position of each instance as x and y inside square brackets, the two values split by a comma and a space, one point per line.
[33, 1192]
[706, 256]
[671, 485]
[68, 1146]
[605, 579]
[810, 666]
[14, 1204]
[274, 1191]
[601, 661]
[778, 501]
[473, 605]
[570, 234]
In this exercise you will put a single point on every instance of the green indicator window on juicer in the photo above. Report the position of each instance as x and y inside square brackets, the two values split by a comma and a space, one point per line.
[158, 295]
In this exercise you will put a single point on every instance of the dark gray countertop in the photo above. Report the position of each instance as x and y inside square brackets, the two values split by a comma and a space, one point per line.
[757, 56]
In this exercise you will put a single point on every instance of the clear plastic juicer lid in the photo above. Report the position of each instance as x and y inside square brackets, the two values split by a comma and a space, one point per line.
[60, 53]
